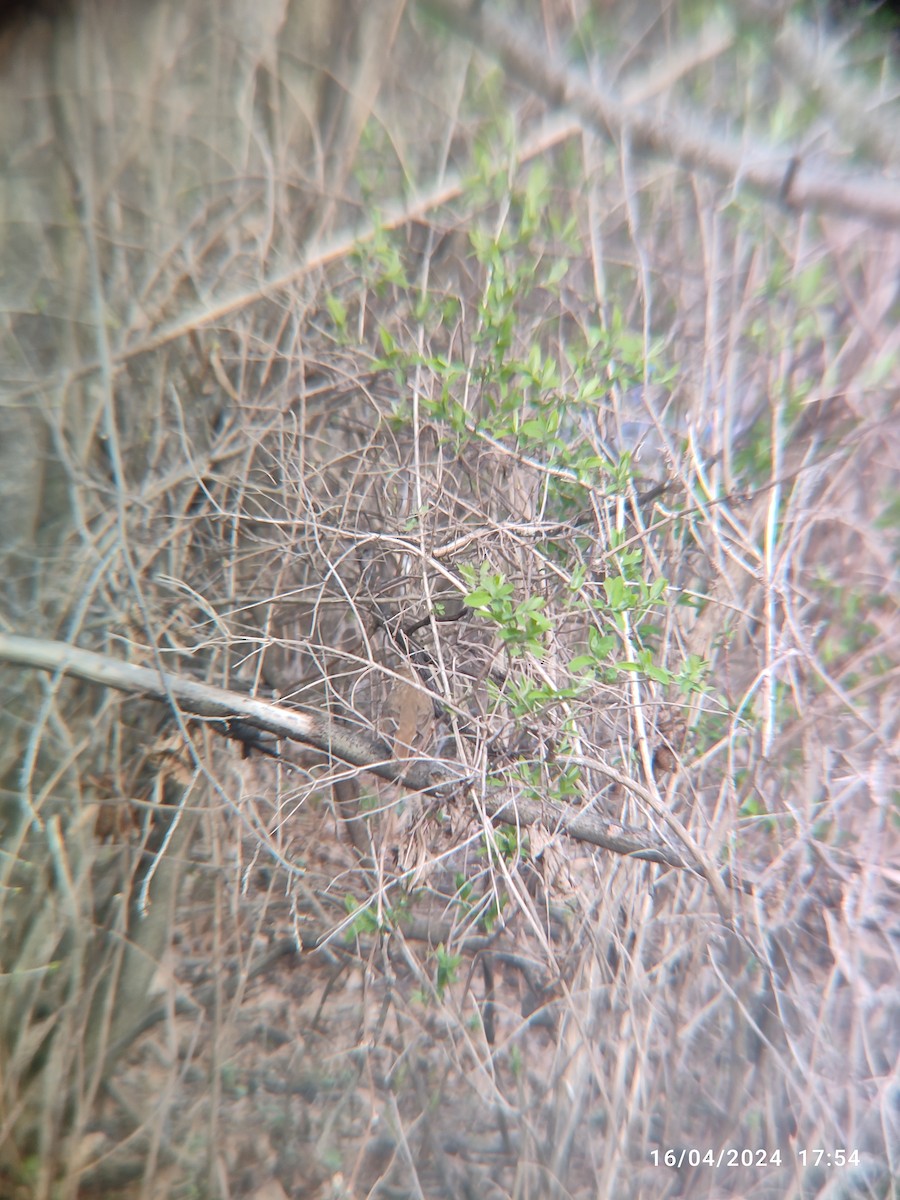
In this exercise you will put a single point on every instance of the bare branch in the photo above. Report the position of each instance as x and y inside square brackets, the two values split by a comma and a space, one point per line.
[777, 175]
[350, 745]
[204, 700]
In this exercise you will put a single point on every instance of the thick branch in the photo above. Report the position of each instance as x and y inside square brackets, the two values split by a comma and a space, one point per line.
[203, 700]
[221, 706]
[778, 175]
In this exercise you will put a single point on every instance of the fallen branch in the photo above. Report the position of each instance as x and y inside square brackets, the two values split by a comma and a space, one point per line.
[230, 711]
[196, 699]
[779, 175]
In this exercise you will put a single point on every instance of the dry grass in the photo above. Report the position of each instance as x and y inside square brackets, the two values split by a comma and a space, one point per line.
[258, 437]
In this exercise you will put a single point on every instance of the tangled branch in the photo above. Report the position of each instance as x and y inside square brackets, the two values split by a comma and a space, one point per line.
[232, 713]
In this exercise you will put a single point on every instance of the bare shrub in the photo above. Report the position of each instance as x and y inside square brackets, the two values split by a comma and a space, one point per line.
[551, 476]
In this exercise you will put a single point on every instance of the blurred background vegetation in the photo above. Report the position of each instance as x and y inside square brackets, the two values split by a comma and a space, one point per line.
[514, 384]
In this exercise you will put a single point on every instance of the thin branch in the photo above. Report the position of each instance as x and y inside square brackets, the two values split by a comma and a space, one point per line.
[780, 176]
[315, 258]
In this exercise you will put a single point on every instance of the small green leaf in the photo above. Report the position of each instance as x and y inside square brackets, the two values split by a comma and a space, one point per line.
[477, 599]
[338, 311]
[583, 662]
[659, 674]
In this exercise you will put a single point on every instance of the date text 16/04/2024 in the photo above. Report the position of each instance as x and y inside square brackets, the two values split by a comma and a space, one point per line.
[730, 1156]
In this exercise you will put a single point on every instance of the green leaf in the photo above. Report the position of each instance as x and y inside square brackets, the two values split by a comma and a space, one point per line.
[338, 311]
[477, 599]
[583, 662]
[600, 644]
[659, 674]
[618, 594]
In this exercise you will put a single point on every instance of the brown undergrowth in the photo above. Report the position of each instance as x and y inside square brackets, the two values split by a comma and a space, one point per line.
[504, 446]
